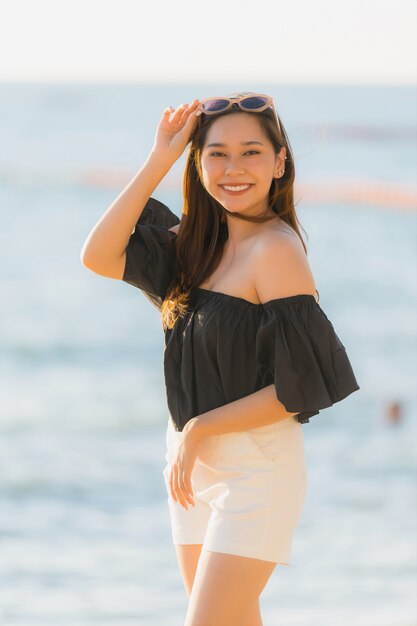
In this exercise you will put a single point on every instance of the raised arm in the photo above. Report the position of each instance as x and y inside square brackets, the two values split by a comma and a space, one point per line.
[103, 251]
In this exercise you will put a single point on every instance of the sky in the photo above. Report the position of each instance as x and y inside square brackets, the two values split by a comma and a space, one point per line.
[162, 41]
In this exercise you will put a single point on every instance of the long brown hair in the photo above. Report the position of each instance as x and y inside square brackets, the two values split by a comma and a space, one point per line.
[203, 230]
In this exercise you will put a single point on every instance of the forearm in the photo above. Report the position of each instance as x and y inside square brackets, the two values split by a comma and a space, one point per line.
[109, 237]
[257, 409]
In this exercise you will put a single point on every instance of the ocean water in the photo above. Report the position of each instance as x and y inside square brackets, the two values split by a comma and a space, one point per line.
[84, 527]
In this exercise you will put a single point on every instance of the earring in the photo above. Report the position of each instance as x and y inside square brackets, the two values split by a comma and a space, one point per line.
[281, 173]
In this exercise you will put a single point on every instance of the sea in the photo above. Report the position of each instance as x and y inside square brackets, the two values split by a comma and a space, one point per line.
[85, 535]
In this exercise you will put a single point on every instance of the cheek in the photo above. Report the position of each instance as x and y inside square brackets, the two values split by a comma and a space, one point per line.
[262, 166]
[211, 172]
[263, 171]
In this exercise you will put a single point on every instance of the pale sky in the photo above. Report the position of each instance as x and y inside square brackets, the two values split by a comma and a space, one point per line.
[280, 41]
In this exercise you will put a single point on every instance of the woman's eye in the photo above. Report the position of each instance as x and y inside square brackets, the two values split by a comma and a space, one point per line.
[253, 151]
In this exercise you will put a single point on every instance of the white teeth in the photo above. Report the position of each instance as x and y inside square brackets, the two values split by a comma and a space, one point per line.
[239, 188]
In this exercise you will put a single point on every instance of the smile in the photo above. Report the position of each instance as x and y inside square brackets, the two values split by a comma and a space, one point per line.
[236, 188]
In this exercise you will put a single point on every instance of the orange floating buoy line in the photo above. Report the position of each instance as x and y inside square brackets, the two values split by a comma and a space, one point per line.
[395, 196]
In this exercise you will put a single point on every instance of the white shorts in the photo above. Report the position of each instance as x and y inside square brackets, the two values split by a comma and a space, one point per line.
[249, 490]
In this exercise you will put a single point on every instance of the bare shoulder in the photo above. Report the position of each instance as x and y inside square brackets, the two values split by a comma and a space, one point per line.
[280, 264]
[279, 226]
[279, 241]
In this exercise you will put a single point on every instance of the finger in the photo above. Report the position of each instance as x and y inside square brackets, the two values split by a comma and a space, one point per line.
[184, 116]
[189, 112]
[192, 106]
[166, 113]
[188, 488]
[178, 113]
[190, 120]
[181, 111]
[175, 492]
[185, 485]
[177, 488]
[184, 495]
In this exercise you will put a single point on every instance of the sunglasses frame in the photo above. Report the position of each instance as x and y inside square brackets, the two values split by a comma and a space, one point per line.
[238, 101]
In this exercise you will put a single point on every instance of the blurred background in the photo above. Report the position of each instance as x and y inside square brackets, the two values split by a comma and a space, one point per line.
[84, 527]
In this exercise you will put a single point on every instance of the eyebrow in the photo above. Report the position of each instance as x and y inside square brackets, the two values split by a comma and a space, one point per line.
[242, 143]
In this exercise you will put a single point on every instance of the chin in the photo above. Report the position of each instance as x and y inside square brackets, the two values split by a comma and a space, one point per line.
[234, 206]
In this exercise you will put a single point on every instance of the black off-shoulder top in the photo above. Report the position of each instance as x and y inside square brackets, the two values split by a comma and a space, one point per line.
[226, 347]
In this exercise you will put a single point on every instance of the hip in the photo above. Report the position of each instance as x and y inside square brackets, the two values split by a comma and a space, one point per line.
[280, 443]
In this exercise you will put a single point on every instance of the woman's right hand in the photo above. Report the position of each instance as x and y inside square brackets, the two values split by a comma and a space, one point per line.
[174, 131]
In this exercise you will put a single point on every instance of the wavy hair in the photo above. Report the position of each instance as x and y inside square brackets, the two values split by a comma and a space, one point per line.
[203, 229]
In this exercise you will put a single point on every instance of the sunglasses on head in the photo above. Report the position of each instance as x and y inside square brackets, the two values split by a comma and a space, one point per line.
[254, 103]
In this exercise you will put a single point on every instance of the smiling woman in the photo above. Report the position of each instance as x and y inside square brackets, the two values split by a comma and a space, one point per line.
[249, 357]
[238, 184]
[237, 170]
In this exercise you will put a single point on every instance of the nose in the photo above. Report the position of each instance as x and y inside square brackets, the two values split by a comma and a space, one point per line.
[234, 169]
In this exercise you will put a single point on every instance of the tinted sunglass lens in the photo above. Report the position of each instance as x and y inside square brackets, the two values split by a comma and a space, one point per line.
[254, 102]
[215, 105]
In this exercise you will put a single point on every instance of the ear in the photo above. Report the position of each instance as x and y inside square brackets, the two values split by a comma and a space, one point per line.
[279, 161]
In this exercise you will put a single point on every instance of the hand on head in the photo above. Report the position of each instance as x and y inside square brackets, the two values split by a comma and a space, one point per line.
[175, 129]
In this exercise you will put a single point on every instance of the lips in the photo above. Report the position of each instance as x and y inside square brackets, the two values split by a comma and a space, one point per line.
[236, 189]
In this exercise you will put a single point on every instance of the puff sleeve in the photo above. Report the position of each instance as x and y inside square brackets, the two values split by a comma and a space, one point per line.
[150, 252]
[298, 350]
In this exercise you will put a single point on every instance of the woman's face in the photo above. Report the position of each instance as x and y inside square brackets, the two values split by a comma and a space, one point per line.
[235, 164]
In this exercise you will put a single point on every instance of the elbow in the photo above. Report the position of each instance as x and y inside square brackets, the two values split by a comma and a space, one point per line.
[91, 264]
[85, 257]
[84, 261]
[88, 259]
[110, 269]
[91, 256]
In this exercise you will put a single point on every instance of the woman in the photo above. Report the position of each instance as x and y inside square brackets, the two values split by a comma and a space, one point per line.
[249, 354]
